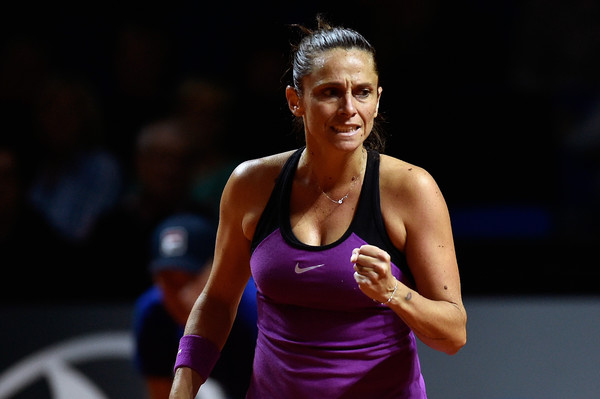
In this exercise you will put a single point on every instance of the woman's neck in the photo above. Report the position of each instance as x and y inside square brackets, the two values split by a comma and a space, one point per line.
[332, 172]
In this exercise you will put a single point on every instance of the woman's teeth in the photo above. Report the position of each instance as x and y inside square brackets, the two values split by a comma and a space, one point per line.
[345, 129]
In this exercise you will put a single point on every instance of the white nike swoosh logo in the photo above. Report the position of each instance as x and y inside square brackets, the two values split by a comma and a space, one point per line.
[300, 270]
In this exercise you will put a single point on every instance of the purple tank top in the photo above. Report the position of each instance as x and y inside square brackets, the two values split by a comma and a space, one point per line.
[319, 335]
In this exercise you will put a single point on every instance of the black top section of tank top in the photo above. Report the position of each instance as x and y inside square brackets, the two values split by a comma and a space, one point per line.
[367, 222]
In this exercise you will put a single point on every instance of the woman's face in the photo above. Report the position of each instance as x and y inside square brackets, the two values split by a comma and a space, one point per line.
[339, 100]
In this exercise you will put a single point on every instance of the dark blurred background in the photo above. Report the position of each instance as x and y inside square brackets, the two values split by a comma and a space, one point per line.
[498, 100]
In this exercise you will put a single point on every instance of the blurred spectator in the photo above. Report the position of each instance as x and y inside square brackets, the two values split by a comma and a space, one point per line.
[204, 109]
[160, 187]
[262, 86]
[27, 242]
[138, 84]
[182, 250]
[75, 179]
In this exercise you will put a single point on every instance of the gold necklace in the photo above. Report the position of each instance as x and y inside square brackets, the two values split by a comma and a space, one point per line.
[354, 181]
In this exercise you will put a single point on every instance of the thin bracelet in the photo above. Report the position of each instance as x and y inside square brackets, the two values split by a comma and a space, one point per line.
[391, 296]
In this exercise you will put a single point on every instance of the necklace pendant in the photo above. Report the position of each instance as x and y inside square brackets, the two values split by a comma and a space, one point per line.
[341, 200]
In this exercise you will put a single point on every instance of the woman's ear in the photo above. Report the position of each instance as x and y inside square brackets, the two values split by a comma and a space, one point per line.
[379, 90]
[293, 100]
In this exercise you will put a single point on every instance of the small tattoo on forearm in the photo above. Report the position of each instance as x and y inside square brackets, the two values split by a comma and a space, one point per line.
[408, 296]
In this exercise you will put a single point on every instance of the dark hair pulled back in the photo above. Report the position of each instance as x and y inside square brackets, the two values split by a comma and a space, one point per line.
[326, 37]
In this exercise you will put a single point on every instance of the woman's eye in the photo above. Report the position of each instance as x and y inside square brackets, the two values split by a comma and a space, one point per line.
[363, 93]
[333, 92]
[330, 92]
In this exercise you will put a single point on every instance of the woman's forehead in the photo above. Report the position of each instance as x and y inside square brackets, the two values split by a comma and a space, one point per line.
[340, 63]
[341, 55]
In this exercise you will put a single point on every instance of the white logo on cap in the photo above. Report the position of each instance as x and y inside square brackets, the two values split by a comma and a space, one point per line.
[173, 242]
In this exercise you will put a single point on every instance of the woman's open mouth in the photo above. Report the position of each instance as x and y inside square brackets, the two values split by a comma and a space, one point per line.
[345, 129]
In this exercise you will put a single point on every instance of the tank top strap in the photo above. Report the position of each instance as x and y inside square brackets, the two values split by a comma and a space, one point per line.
[368, 219]
[269, 220]
[369, 194]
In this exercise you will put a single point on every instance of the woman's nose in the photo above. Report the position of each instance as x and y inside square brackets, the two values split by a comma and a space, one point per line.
[347, 105]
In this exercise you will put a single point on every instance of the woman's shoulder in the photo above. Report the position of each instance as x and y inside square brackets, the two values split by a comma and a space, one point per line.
[261, 169]
[249, 188]
[401, 176]
[253, 180]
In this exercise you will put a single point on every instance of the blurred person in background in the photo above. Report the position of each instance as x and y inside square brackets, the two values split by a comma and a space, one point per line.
[203, 108]
[160, 186]
[182, 250]
[75, 179]
[138, 83]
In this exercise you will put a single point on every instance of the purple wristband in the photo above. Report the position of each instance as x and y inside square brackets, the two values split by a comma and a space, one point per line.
[197, 353]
